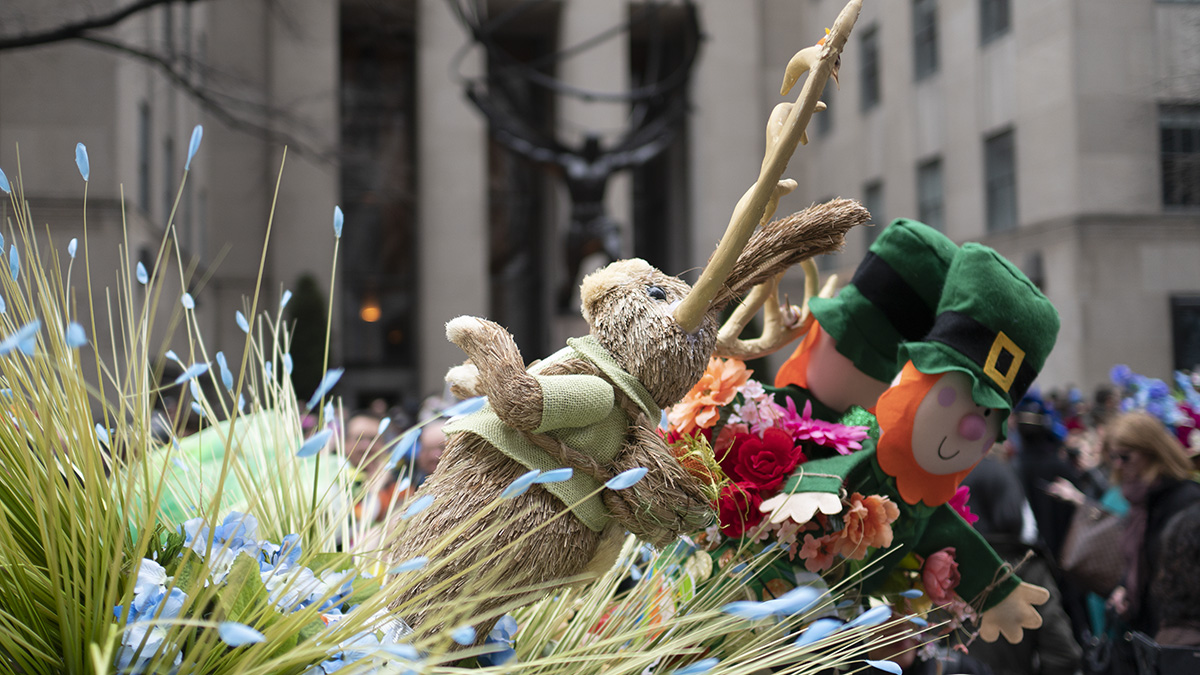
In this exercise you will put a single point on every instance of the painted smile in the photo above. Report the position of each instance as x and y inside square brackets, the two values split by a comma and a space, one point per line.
[951, 456]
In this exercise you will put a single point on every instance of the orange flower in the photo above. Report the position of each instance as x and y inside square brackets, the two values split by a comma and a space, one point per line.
[817, 552]
[700, 408]
[868, 524]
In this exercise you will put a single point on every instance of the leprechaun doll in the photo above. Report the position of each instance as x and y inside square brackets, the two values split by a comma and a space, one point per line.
[848, 357]
[991, 336]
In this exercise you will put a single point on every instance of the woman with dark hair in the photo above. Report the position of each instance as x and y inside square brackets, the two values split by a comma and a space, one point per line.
[1155, 477]
[1176, 590]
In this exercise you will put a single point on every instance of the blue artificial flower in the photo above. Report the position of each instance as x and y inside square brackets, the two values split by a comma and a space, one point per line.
[1120, 375]
[500, 643]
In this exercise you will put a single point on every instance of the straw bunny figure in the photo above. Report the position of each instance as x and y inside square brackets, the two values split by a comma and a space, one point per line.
[595, 405]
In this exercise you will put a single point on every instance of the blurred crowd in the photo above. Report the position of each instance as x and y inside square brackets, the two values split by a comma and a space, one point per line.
[1132, 450]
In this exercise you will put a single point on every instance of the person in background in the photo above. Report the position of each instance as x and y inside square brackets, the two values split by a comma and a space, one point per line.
[367, 439]
[1175, 590]
[1005, 520]
[1155, 477]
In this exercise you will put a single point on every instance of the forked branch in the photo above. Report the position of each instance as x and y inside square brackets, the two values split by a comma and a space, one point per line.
[821, 60]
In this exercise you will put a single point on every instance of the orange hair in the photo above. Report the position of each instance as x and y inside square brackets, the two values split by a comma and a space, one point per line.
[896, 412]
[795, 369]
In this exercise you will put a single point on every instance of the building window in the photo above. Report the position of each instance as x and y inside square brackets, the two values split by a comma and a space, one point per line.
[168, 179]
[873, 201]
[1179, 138]
[930, 200]
[1000, 168]
[1185, 331]
[143, 196]
[925, 53]
[869, 70]
[995, 19]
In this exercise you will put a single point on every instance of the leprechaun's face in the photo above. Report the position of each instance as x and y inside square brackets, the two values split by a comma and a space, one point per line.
[950, 433]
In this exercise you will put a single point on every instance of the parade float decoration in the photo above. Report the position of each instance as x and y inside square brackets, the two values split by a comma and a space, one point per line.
[592, 409]
[883, 486]
[132, 545]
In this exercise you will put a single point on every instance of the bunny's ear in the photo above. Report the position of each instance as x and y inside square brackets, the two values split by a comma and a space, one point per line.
[783, 136]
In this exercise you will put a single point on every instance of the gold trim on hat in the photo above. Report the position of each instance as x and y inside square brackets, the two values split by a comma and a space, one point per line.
[1002, 344]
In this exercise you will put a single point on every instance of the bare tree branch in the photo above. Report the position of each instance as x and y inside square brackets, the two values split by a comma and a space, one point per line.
[76, 29]
[208, 101]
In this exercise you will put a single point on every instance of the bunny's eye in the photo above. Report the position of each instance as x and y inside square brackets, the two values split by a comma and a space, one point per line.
[656, 293]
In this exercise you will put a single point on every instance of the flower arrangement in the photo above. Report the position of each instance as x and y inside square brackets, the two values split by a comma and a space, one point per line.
[757, 443]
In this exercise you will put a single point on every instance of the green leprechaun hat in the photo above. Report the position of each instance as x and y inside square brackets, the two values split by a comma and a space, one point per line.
[992, 324]
[892, 298]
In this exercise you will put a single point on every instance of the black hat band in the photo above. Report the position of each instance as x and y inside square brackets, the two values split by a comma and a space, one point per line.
[1001, 360]
[901, 305]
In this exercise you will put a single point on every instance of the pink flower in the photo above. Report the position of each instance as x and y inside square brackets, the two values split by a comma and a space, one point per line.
[940, 576]
[758, 410]
[959, 503]
[842, 438]
[817, 552]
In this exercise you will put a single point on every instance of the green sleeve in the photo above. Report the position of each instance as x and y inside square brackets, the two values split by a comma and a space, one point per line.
[824, 475]
[573, 401]
[978, 564]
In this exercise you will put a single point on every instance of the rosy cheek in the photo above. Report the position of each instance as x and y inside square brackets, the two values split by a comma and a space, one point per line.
[972, 427]
[947, 397]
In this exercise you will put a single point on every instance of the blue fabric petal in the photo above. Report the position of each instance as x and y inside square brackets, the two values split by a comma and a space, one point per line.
[410, 565]
[819, 629]
[142, 276]
[241, 321]
[76, 337]
[886, 666]
[187, 301]
[4, 183]
[327, 382]
[418, 505]
[194, 145]
[14, 262]
[21, 337]
[555, 476]
[871, 617]
[463, 635]
[193, 371]
[81, 161]
[72, 246]
[626, 479]
[238, 634]
[315, 443]
[337, 221]
[520, 485]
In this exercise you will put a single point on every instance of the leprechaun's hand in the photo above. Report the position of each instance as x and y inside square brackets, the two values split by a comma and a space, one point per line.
[1013, 614]
[800, 507]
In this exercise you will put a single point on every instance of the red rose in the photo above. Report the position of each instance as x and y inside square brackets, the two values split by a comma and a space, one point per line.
[737, 508]
[940, 576]
[765, 461]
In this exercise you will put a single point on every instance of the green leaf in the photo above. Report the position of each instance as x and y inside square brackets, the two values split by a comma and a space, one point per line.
[329, 561]
[310, 629]
[244, 590]
[189, 570]
[363, 590]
